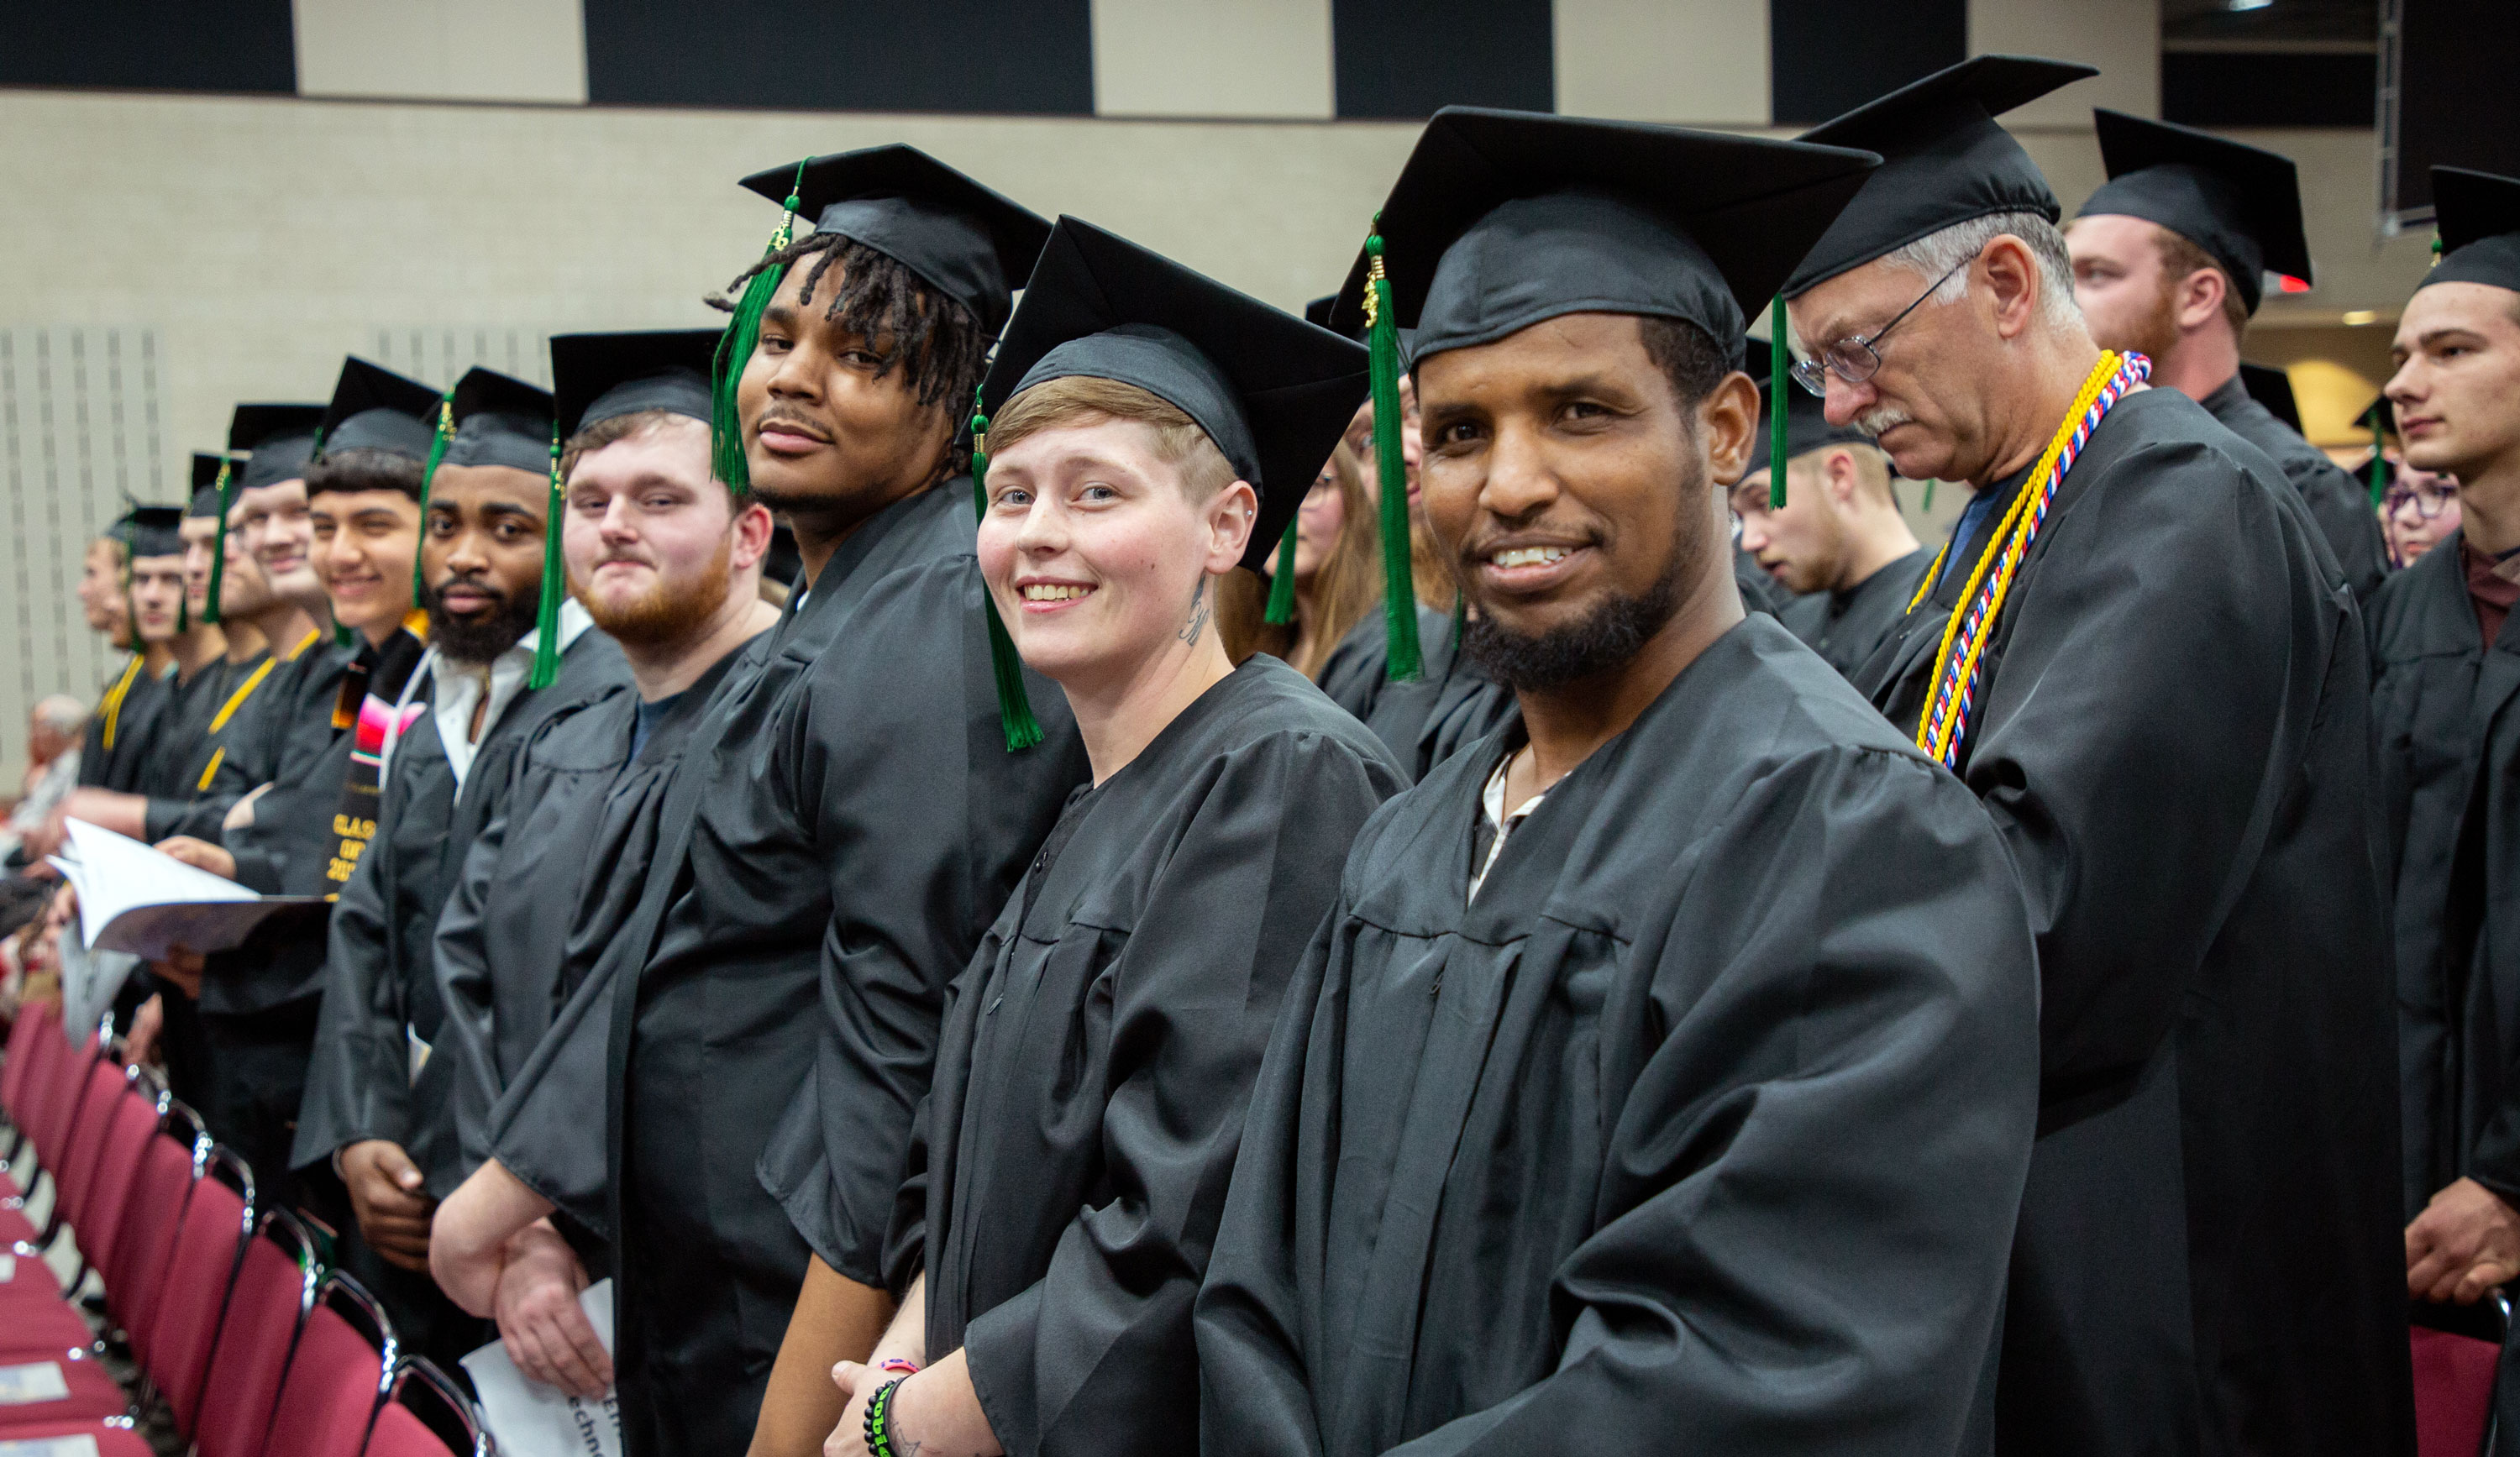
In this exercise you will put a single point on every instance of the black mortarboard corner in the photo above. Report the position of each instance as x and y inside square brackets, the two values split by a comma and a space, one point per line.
[278, 440]
[151, 530]
[1807, 426]
[2240, 204]
[971, 242]
[2381, 418]
[1945, 160]
[600, 376]
[1503, 219]
[2477, 217]
[1272, 391]
[2273, 388]
[373, 408]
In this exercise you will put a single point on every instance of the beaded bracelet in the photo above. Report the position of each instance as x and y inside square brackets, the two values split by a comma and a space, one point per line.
[879, 1419]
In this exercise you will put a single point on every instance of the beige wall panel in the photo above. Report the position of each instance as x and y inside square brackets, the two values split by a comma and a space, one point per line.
[2121, 37]
[1695, 62]
[1213, 58]
[442, 50]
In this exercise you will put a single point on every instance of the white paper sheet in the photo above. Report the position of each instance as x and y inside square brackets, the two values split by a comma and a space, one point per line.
[33, 1382]
[529, 1419]
[145, 902]
[90, 981]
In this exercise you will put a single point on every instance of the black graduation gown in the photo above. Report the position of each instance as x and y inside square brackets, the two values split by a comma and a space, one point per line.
[1845, 628]
[195, 802]
[1072, 1159]
[379, 986]
[1701, 1129]
[2172, 733]
[544, 887]
[181, 723]
[1423, 722]
[114, 753]
[2339, 505]
[842, 844]
[1355, 673]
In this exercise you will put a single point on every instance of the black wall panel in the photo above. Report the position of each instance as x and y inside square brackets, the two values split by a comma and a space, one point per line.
[1830, 56]
[1006, 56]
[1405, 59]
[2457, 104]
[2263, 88]
[148, 45]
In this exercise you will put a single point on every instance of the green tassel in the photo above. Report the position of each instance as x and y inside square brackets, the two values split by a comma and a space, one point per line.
[342, 636]
[1014, 705]
[1281, 582]
[438, 440]
[225, 485]
[1402, 660]
[1777, 357]
[555, 581]
[1929, 494]
[2379, 459]
[734, 351]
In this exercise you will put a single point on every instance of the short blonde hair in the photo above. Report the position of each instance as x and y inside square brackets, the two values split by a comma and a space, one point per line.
[1084, 400]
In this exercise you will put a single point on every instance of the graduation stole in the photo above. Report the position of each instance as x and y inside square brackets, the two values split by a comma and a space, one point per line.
[375, 684]
[113, 697]
[1944, 724]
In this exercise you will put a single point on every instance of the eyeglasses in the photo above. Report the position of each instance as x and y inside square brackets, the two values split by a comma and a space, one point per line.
[1858, 356]
[2429, 500]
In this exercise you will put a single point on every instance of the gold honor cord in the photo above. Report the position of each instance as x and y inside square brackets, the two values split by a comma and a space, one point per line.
[245, 690]
[2009, 542]
[114, 698]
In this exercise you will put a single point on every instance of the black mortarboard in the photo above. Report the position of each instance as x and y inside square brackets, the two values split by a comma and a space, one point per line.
[499, 420]
[151, 530]
[1945, 160]
[598, 376]
[1502, 219]
[966, 239]
[1807, 426]
[1318, 312]
[279, 437]
[2273, 388]
[1272, 392]
[376, 409]
[2240, 204]
[207, 469]
[2380, 418]
[2478, 217]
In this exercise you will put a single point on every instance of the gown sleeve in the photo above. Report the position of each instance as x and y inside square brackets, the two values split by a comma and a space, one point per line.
[461, 956]
[1176, 1025]
[549, 1126]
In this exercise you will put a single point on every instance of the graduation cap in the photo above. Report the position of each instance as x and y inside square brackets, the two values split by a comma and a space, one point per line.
[2382, 418]
[277, 439]
[2477, 217]
[490, 419]
[600, 376]
[2273, 388]
[971, 242]
[1945, 160]
[2242, 204]
[210, 471]
[150, 530]
[1318, 312]
[1807, 426]
[373, 408]
[1273, 392]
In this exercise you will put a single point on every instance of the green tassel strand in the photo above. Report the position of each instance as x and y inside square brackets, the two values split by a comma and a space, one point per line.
[1403, 662]
[225, 485]
[734, 351]
[1014, 705]
[438, 440]
[555, 583]
[2379, 456]
[1777, 359]
[1929, 494]
[1281, 582]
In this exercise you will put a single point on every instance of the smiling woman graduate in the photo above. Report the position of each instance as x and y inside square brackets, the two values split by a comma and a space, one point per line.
[1153, 431]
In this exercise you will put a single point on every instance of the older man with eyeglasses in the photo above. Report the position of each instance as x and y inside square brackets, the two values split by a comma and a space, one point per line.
[2138, 652]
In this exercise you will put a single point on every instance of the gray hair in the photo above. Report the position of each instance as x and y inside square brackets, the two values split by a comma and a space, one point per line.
[1935, 255]
[60, 712]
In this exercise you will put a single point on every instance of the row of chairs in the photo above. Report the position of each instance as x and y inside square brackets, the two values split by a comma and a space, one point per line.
[234, 1324]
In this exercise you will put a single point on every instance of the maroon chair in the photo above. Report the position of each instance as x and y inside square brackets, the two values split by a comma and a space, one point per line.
[135, 1286]
[275, 1288]
[337, 1376]
[123, 1137]
[428, 1416]
[202, 1269]
[74, 1173]
[26, 1036]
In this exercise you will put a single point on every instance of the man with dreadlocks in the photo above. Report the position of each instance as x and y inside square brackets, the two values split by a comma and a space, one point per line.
[849, 817]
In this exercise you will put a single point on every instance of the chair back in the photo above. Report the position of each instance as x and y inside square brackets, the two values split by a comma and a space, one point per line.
[2457, 1350]
[428, 1416]
[153, 1214]
[201, 1266]
[336, 1377]
[82, 1146]
[123, 1138]
[24, 1035]
[275, 1288]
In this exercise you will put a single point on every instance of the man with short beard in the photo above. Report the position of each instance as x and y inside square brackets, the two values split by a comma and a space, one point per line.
[823, 871]
[2445, 669]
[2169, 257]
[374, 1102]
[2138, 652]
[668, 561]
[1665, 1071]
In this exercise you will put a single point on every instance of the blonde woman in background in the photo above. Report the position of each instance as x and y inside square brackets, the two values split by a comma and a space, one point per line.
[1338, 579]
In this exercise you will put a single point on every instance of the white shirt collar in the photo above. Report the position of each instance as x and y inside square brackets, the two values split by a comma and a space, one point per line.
[456, 695]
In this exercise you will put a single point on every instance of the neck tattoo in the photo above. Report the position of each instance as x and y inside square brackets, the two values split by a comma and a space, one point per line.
[1199, 612]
